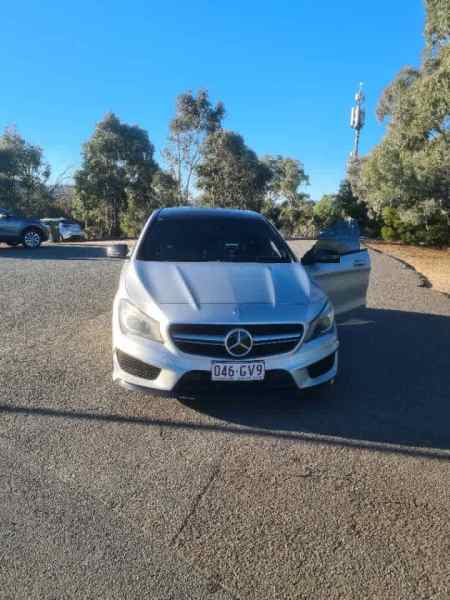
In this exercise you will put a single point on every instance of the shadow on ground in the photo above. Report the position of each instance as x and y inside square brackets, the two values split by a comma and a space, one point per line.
[83, 251]
[393, 386]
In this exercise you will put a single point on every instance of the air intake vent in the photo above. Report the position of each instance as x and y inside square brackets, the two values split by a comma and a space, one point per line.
[322, 366]
[136, 367]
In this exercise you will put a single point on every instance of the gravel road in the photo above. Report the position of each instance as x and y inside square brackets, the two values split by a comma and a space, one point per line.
[339, 494]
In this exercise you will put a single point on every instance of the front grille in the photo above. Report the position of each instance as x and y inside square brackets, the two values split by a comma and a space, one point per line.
[209, 340]
[196, 383]
[322, 366]
[136, 367]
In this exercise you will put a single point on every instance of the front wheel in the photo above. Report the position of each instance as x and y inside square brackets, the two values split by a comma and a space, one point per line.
[32, 238]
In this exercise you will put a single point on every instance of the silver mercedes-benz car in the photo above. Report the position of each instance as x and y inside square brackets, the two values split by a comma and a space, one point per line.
[215, 300]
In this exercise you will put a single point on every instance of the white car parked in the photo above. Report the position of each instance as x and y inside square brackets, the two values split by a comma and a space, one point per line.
[66, 229]
[215, 300]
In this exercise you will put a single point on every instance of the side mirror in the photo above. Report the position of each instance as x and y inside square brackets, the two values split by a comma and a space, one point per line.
[320, 255]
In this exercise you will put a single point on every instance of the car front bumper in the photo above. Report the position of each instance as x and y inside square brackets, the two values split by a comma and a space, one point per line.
[179, 374]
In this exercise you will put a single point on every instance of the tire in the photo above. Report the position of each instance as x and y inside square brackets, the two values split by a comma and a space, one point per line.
[32, 238]
[117, 251]
[13, 244]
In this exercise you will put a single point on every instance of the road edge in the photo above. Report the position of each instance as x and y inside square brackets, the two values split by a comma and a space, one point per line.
[422, 280]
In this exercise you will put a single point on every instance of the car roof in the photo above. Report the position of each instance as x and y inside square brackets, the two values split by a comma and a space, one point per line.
[192, 212]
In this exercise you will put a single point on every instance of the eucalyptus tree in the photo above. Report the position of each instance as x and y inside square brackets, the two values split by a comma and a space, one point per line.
[285, 203]
[230, 174]
[409, 171]
[116, 173]
[288, 175]
[195, 119]
[24, 175]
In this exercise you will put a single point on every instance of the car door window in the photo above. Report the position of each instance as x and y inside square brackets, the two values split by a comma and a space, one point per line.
[339, 265]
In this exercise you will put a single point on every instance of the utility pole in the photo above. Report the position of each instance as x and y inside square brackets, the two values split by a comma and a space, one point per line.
[357, 119]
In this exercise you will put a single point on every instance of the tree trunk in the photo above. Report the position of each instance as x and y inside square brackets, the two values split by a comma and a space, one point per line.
[115, 230]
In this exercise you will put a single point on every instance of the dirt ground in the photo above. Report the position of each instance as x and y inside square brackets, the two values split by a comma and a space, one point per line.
[434, 264]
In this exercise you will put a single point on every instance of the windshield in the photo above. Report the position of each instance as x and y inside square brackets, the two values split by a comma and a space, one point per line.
[216, 239]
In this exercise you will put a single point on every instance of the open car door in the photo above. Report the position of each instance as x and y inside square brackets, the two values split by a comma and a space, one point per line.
[339, 266]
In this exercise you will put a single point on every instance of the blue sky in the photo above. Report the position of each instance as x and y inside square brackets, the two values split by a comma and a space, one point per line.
[286, 70]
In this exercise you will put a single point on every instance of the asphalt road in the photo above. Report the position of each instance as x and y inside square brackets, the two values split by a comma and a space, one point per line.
[110, 494]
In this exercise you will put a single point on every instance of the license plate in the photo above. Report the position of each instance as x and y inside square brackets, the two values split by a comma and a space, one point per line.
[235, 371]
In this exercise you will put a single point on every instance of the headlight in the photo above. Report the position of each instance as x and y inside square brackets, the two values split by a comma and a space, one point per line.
[133, 321]
[323, 323]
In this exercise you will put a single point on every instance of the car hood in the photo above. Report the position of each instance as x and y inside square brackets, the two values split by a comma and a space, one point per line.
[205, 290]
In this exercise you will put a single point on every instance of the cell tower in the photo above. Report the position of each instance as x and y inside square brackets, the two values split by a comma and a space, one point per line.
[357, 119]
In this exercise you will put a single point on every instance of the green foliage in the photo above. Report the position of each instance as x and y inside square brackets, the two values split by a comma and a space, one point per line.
[194, 120]
[288, 208]
[230, 174]
[409, 171]
[116, 175]
[344, 204]
[327, 211]
[296, 215]
[437, 27]
[350, 205]
[392, 101]
[165, 193]
[288, 175]
[298, 219]
[23, 176]
[353, 176]
[426, 224]
[392, 228]
[63, 199]
[272, 211]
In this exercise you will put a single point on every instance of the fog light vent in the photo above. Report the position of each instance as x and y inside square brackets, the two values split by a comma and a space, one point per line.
[322, 366]
[136, 367]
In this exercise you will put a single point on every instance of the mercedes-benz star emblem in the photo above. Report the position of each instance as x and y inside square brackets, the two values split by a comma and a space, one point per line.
[238, 342]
